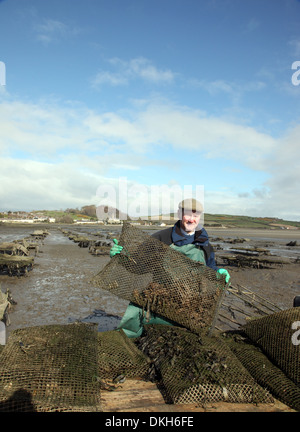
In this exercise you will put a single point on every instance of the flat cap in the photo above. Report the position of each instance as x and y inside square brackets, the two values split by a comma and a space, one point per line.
[191, 204]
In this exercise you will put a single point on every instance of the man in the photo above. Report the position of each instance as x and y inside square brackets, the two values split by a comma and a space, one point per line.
[186, 237]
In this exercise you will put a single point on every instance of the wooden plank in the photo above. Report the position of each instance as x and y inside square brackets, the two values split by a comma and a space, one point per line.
[132, 394]
[141, 396]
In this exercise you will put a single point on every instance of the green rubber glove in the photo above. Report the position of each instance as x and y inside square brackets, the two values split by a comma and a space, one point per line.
[224, 272]
[115, 249]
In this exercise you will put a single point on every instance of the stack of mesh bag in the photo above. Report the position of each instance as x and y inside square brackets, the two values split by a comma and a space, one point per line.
[269, 347]
[65, 368]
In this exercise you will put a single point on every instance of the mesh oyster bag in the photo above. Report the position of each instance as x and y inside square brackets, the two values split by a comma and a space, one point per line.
[198, 369]
[163, 281]
[266, 374]
[117, 354]
[276, 335]
[50, 368]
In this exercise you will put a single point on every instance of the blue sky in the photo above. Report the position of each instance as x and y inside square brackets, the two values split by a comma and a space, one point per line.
[165, 93]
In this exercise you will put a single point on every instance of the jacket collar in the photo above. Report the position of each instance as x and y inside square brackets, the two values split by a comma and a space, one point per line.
[199, 237]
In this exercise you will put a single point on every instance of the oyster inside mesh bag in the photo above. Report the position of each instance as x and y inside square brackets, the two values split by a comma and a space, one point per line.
[265, 373]
[51, 367]
[196, 369]
[162, 281]
[276, 335]
[117, 354]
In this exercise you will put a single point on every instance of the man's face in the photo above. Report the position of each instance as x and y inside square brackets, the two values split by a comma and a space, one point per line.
[189, 219]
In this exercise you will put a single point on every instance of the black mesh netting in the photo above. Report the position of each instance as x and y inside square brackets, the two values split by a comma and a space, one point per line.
[66, 367]
[263, 370]
[162, 281]
[276, 335]
[50, 368]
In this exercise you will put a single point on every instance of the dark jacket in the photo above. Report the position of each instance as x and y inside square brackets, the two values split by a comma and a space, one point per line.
[173, 235]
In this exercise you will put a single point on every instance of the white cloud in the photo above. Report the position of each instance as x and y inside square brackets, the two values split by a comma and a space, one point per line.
[236, 90]
[50, 30]
[278, 195]
[284, 168]
[56, 157]
[143, 68]
[105, 77]
[227, 202]
[213, 137]
[140, 68]
[44, 130]
[27, 184]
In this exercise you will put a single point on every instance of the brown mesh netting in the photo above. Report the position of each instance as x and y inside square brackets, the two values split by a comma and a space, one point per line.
[198, 369]
[266, 373]
[275, 335]
[50, 368]
[118, 355]
[163, 281]
[65, 368]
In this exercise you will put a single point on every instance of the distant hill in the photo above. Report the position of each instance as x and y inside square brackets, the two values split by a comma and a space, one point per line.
[86, 213]
[219, 220]
[248, 221]
[210, 220]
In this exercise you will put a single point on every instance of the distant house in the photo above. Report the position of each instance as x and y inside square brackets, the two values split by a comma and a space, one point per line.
[113, 221]
[17, 220]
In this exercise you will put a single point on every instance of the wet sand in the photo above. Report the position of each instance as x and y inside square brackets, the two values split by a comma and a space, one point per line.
[58, 290]
[280, 283]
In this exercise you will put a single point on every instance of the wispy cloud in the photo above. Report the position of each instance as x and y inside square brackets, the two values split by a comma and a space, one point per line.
[50, 30]
[144, 69]
[113, 79]
[295, 47]
[137, 68]
[252, 25]
[233, 89]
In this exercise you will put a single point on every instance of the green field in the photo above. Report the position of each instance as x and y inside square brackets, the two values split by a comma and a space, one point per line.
[247, 221]
[225, 220]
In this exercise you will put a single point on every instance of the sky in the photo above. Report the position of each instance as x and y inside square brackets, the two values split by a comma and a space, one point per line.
[142, 102]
